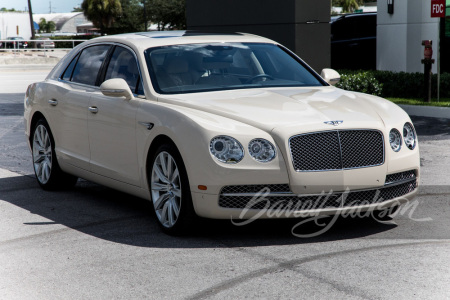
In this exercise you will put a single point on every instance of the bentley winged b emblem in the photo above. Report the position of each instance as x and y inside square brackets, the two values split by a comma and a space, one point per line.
[334, 123]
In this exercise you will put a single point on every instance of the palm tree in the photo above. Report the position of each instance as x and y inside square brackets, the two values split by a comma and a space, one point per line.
[45, 26]
[350, 5]
[101, 12]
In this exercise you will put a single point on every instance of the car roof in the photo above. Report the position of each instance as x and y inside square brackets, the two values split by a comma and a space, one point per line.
[354, 15]
[146, 40]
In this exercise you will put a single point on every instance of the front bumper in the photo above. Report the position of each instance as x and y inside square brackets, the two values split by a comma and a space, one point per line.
[276, 201]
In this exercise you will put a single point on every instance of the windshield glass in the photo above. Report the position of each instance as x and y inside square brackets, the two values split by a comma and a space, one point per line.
[212, 67]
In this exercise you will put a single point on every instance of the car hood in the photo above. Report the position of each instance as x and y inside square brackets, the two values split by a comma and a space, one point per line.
[272, 108]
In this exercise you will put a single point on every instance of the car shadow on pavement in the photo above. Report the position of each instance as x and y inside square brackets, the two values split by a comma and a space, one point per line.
[114, 216]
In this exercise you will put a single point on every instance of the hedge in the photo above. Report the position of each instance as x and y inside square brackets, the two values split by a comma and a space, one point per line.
[398, 85]
[363, 82]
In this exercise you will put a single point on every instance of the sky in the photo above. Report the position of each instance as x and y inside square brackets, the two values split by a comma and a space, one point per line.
[42, 6]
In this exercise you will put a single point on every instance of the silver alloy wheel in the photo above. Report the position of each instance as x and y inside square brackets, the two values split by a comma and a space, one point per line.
[166, 189]
[42, 154]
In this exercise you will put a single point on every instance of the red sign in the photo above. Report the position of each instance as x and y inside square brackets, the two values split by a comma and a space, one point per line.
[438, 8]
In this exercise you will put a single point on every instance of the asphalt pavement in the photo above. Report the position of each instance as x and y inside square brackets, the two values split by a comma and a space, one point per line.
[96, 243]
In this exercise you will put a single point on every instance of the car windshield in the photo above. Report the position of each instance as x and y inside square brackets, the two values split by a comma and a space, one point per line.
[224, 66]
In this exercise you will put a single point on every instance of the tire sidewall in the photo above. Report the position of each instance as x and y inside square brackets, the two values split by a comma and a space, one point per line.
[55, 172]
[186, 212]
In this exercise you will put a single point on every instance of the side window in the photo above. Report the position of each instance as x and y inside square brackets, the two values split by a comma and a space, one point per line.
[68, 72]
[89, 64]
[123, 65]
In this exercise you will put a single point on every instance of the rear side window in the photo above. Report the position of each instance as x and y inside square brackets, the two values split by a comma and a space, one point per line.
[123, 65]
[89, 64]
[68, 72]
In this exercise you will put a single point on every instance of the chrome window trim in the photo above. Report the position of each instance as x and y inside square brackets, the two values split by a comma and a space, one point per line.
[97, 44]
[340, 148]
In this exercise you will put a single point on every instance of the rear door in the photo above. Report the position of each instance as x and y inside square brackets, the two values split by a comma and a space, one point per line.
[69, 101]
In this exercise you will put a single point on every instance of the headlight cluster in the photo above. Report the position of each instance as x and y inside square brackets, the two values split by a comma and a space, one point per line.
[228, 150]
[262, 150]
[409, 137]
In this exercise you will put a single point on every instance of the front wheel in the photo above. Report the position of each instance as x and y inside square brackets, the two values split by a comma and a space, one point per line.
[170, 192]
[46, 167]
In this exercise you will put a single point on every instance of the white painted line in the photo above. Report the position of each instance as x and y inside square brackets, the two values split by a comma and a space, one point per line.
[8, 174]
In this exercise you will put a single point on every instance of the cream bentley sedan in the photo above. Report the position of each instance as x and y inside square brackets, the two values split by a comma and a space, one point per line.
[217, 126]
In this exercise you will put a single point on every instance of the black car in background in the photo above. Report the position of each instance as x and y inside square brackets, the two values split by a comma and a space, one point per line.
[16, 42]
[354, 41]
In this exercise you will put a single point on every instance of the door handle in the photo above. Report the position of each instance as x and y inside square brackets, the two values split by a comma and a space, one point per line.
[53, 102]
[93, 109]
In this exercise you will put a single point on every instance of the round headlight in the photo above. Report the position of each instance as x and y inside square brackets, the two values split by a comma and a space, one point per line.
[395, 139]
[409, 136]
[262, 150]
[226, 149]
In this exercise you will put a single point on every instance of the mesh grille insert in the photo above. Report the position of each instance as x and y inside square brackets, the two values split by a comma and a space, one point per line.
[337, 150]
[255, 188]
[323, 201]
[392, 178]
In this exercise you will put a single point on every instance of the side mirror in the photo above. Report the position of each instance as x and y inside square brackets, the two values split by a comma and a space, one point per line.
[330, 76]
[116, 87]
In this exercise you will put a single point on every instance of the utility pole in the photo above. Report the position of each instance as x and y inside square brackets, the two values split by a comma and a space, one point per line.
[145, 16]
[30, 12]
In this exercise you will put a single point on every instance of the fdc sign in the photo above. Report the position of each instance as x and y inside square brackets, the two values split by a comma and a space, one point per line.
[438, 8]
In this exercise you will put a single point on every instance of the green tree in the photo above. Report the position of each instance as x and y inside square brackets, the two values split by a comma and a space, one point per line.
[131, 19]
[347, 5]
[45, 26]
[6, 9]
[170, 13]
[102, 13]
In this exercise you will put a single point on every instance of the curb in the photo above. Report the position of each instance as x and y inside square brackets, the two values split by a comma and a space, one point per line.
[427, 111]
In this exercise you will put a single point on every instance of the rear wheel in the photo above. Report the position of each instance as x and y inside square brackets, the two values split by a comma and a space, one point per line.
[48, 173]
[170, 192]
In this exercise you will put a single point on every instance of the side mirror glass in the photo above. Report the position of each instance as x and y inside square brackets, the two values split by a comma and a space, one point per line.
[116, 87]
[330, 76]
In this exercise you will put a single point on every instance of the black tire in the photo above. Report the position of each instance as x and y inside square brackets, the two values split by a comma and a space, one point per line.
[45, 164]
[164, 192]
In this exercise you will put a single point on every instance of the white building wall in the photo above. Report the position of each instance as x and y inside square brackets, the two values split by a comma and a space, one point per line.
[9, 22]
[400, 35]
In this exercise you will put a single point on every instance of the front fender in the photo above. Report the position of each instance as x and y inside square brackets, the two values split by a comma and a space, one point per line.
[191, 131]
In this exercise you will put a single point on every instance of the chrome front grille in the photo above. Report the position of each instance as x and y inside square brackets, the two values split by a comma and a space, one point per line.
[397, 185]
[337, 150]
